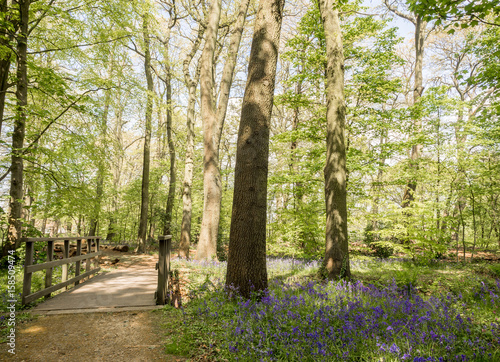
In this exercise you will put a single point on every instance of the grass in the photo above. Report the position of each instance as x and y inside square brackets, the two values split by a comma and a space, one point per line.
[392, 310]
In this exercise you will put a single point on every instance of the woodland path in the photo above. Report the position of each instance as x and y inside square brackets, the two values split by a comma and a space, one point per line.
[103, 330]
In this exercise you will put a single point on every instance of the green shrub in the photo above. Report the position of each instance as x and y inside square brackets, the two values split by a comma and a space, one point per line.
[382, 249]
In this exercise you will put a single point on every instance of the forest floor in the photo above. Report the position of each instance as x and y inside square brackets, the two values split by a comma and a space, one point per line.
[111, 336]
[164, 335]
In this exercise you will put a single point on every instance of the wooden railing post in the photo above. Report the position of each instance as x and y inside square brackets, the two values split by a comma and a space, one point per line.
[89, 250]
[163, 268]
[64, 276]
[28, 260]
[48, 271]
[97, 248]
[77, 264]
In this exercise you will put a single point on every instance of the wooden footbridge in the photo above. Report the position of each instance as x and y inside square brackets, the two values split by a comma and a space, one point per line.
[122, 289]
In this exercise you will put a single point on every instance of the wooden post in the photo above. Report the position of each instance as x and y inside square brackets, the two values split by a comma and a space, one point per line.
[97, 248]
[77, 264]
[64, 276]
[163, 268]
[27, 276]
[48, 271]
[89, 250]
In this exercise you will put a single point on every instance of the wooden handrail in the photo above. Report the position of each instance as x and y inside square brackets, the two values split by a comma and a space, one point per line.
[30, 268]
[23, 240]
[51, 264]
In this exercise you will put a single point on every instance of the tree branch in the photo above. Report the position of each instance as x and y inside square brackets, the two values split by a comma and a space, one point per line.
[395, 10]
[37, 21]
[79, 45]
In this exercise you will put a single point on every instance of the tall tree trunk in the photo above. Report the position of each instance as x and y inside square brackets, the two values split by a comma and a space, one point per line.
[336, 262]
[16, 181]
[171, 150]
[185, 241]
[117, 170]
[411, 187]
[6, 37]
[207, 246]
[94, 220]
[376, 188]
[246, 268]
[420, 27]
[143, 220]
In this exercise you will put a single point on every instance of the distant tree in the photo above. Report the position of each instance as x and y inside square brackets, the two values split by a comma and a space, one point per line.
[213, 123]
[187, 203]
[420, 36]
[143, 221]
[246, 268]
[211, 180]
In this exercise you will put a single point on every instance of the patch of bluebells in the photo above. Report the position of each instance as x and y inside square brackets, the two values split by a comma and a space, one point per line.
[342, 320]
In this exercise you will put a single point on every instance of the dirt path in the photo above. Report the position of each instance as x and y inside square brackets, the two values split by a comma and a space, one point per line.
[119, 336]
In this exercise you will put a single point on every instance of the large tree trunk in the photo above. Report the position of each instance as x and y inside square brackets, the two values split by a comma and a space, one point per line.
[212, 178]
[207, 246]
[246, 268]
[336, 262]
[143, 220]
[16, 181]
[185, 241]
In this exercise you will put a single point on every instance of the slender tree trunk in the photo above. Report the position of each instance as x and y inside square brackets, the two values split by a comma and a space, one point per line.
[213, 126]
[298, 191]
[228, 71]
[336, 262]
[17, 167]
[143, 220]
[207, 246]
[474, 227]
[6, 37]
[4, 76]
[185, 240]
[246, 268]
[411, 187]
[497, 233]
[94, 221]
[117, 170]
[171, 150]
[376, 189]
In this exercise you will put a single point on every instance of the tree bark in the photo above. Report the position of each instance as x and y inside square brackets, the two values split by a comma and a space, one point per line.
[94, 221]
[185, 241]
[212, 178]
[143, 220]
[17, 167]
[171, 150]
[246, 268]
[207, 245]
[116, 170]
[411, 187]
[5, 60]
[336, 261]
